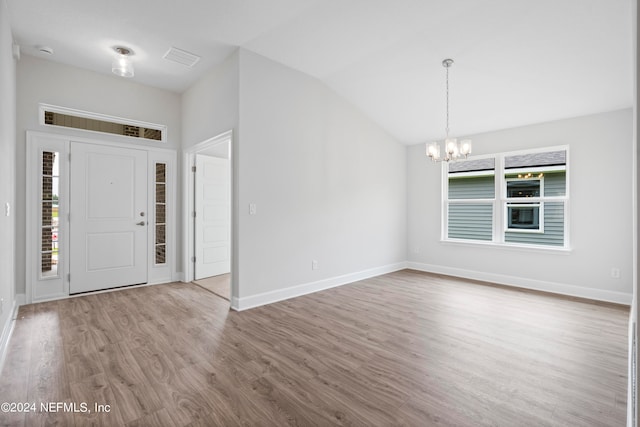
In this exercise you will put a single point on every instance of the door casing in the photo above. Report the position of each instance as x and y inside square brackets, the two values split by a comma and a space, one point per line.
[188, 161]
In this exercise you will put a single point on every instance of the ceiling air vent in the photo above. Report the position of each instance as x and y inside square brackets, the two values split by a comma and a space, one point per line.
[181, 57]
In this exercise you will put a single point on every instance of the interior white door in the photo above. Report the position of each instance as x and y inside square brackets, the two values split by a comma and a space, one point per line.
[213, 216]
[108, 222]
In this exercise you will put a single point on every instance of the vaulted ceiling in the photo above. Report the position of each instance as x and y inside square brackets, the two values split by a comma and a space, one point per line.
[517, 62]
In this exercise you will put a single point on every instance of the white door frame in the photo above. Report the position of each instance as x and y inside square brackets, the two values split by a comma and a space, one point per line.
[188, 204]
[60, 142]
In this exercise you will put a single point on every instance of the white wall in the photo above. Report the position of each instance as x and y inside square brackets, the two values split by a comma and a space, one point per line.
[7, 169]
[600, 212]
[329, 185]
[40, 81]
[210, 106]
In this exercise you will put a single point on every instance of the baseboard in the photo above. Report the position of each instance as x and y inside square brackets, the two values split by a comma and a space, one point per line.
[252, 301]
[7, 328]
[235, 303]
[522, 282]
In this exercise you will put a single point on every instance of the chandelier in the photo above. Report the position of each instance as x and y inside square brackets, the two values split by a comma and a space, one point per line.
[454, 150]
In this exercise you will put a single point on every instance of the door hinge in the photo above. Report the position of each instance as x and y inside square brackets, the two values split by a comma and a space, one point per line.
[193, 168]
[193, 214]
[69, 217]
[69, 277]
[69, 156]
[193, 259]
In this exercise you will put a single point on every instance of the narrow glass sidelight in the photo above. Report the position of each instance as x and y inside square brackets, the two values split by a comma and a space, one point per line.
[49, 218]
[161, 216]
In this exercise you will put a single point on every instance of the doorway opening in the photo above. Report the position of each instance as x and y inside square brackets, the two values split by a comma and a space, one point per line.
[209, 249]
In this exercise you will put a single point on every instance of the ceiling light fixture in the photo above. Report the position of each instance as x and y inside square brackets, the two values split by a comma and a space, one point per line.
[454, 149]
[122, 65]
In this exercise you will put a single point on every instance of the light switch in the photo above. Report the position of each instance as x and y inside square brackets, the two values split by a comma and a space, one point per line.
[252, 208]
[7, 209]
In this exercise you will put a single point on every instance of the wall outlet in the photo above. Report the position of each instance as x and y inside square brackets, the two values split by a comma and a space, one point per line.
[615, 273]
[252, 209]
[314, 264]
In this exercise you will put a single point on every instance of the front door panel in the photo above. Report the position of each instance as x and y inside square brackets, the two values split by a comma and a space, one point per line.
[108, 227]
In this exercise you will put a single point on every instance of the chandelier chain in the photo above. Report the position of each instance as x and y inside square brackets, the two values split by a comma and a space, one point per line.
[447, 128]
[453, 148]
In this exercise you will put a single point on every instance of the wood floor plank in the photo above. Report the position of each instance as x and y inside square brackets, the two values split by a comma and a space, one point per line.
[96, 390]
[161, 418]
[14, 386]
[406, 348]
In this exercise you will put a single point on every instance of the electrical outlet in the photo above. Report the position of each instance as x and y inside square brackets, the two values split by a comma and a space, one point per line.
[314, 264]
[252, 209]
[615, 273]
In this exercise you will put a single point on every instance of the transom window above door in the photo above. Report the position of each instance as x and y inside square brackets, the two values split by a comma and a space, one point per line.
[51, 115]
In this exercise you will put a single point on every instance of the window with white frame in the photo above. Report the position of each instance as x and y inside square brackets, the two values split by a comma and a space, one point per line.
[518, 198]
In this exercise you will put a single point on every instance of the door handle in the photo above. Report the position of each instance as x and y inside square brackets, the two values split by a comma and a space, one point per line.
[140, 223]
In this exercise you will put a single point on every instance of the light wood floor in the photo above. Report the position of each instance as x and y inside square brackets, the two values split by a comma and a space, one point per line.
[219, 285]
[406, 348]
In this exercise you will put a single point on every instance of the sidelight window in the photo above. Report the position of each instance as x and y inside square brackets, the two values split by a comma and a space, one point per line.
[49, 214]
[161, 214]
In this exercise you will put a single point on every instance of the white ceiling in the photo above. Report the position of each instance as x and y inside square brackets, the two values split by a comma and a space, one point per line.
[516, 61]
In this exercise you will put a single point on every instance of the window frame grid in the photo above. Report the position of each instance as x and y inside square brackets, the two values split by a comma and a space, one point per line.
[500, 201]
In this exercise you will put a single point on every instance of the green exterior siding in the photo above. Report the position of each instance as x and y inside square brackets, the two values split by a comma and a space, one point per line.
[553, 228]
[554, 184]
[472, 221]
[473, 187]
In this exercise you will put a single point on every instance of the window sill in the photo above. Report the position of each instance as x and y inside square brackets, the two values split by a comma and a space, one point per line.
[509, 246]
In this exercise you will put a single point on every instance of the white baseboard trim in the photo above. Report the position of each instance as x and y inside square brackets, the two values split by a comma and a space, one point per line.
[523, 282]
[7, 328]
[245, 303]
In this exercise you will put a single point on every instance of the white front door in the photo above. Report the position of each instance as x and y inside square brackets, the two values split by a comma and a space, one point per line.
[108, 224]
[213, 216]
